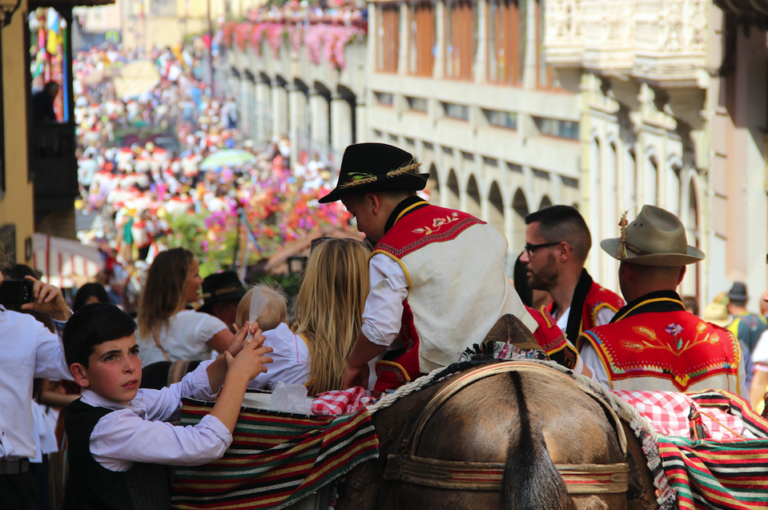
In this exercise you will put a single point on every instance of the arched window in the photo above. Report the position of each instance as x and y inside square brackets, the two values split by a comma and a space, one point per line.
[473, 198]
[545, 202]
[651, 182]
[609, 221]
[433, 185]
[692, 282]
[496, 209]
[520, 208]
[453, 190]
[673, 190]
[630, 183]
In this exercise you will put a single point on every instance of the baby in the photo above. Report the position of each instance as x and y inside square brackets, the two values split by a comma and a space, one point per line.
[291, 354]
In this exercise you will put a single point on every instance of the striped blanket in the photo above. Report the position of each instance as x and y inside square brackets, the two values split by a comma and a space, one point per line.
[275, 460]
[720, 474]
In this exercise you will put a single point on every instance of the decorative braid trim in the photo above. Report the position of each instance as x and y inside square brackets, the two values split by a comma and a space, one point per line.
[405, 169]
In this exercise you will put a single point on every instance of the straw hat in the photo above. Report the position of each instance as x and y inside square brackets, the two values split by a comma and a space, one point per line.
[717, 311]
[655, 238]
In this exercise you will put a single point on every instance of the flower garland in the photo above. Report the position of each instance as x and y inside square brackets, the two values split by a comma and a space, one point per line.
[320, 40]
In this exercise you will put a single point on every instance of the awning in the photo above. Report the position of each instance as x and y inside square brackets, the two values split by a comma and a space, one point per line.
[64, 262]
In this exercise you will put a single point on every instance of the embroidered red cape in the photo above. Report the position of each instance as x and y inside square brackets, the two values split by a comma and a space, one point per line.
[412, 231]
[598, 298]
[674, 345]
[552, 340]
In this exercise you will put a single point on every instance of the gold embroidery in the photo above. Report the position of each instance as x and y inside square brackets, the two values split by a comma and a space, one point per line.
[437, 224]
[644, 331]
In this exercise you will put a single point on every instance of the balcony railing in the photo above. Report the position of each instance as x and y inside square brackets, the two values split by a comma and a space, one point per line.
[657, 40]
[53, 165]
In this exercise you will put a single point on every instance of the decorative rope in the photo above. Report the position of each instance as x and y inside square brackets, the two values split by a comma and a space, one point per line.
[640, 425]
[413, 165]
[622, 252]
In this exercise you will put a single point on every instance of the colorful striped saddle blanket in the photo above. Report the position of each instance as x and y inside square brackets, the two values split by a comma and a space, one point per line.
[275, 460]
[720, 473]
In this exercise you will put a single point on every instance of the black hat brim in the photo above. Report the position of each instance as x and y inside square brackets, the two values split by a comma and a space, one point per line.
[408, 182]
[206, 306]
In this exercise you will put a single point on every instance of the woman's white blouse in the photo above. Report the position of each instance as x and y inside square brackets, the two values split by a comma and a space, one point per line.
[185, 338]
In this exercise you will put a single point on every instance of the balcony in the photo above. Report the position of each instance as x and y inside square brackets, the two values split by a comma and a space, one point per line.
[660, 41]
[53, 166]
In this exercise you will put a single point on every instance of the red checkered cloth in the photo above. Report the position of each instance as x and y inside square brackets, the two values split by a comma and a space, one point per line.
[672, 414]
[348, 401]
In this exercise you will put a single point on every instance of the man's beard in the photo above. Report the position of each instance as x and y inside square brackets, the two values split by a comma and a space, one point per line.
[546, 277]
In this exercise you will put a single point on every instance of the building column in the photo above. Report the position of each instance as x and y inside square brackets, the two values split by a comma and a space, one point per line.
[361, 126]
[298, 122]
[263, 109]
[318, 108]
[279, 111]
[341, 124]
[246, 107]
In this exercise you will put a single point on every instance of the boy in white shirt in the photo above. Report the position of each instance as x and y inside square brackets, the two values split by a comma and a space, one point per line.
[119, 441]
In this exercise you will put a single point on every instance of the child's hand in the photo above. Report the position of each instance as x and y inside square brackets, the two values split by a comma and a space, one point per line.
[239, 339]
[251, 359]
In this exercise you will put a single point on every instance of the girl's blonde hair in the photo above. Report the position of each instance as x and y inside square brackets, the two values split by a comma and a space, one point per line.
[329, 308]
[164, 293]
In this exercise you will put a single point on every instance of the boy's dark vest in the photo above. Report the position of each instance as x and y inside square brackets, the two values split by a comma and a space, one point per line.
[94, 487]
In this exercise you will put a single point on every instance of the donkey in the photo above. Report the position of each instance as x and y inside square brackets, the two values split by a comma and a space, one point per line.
[527, 422]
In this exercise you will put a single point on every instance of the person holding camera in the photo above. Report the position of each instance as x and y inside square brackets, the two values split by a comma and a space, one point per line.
[29, 351]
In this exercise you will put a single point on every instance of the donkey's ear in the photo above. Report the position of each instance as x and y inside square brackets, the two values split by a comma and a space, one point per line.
[510, 328]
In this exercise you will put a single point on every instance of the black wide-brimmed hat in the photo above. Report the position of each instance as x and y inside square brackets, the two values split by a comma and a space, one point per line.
[372, 167]
[220, 286]
[738, 292]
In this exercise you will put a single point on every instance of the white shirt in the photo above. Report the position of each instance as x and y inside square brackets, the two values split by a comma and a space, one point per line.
[604, 316]
[27, 351]
[185, 338]
[290, 359]
[137, 430]
[383, 314]
[760, 353]
[592, 360]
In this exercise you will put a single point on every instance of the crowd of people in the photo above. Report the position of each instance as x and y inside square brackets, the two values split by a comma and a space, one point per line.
[369, 318]
[142, 160]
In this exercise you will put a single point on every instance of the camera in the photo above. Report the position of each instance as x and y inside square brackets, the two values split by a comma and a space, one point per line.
[14, 292]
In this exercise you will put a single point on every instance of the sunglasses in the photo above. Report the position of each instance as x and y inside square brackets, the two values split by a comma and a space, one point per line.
[320, 240]
[530, 249]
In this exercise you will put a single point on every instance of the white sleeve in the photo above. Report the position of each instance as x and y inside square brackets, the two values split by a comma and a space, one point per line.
[760, 353]
[164, 404]
[49, 356]
[592, 360]
[208, 326]
[122, 436]
[383, 315]
[288, 365]
[604, 316]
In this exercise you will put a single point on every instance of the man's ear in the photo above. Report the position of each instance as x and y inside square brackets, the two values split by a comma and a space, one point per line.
[566, 252]
[79, 374]
[373, 201]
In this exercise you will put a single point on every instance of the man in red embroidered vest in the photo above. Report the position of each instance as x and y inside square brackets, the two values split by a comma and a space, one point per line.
[652, 343]
[557, 244]
[437, 283]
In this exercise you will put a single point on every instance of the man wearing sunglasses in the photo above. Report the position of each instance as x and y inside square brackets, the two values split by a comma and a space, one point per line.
[437, 283]
[557, 244]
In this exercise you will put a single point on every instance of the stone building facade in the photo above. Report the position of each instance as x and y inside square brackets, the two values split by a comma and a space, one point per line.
[462, 85]
[673, 101]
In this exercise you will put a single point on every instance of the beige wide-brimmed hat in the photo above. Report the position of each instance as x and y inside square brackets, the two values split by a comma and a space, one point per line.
[655, 238]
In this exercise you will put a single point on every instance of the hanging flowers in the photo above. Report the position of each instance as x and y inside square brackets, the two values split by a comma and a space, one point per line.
[320, 40]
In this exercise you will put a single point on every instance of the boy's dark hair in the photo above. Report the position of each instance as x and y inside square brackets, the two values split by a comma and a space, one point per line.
[558, 223]
[92, 325]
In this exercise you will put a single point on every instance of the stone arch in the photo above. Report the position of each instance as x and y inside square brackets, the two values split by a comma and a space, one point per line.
[453, 201]
[433, 185]
[496, 207]
[473, 206]
[674, 186]
[519, 212]
[545, 202]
